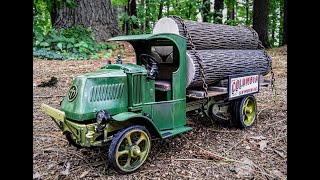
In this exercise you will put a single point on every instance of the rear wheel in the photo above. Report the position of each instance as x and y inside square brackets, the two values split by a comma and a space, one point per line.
[129, 149]
[244, 111]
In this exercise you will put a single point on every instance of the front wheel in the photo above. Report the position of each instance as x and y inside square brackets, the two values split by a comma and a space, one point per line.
[244, 111]
[129, 149]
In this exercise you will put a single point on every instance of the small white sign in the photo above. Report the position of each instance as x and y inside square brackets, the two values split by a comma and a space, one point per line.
[240, 86]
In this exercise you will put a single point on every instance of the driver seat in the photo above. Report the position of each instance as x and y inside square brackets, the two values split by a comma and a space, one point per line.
[163, 85]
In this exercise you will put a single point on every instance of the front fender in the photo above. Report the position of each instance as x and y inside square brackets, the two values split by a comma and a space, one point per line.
[139, 119]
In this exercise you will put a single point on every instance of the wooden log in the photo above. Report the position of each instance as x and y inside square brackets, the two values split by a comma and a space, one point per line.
[156, 55]
[219, 64]
[207, 35]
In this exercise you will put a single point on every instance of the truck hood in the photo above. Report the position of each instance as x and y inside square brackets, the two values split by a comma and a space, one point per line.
[105, 89]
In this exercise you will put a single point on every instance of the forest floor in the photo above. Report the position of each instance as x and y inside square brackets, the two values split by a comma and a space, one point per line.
[256, 153]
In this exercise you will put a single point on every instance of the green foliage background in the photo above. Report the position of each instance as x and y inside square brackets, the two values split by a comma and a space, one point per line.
[78, 42]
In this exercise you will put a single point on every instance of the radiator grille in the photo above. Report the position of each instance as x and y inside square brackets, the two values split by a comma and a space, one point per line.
[137, 97]
[106, 92]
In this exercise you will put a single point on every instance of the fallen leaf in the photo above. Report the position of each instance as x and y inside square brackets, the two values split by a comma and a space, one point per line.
[84, 174]
[36, 175]
[263, 144]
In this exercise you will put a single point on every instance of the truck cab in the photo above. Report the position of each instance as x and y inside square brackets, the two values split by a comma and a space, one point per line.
[161, 96]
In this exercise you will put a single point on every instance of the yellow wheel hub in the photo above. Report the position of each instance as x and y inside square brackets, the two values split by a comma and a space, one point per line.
[133, 150]
[248, 111]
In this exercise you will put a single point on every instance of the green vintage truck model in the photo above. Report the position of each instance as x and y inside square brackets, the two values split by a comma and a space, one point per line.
[121, 106]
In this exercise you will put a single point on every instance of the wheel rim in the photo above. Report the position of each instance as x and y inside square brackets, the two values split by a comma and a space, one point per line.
[248, 111]
[133, 150]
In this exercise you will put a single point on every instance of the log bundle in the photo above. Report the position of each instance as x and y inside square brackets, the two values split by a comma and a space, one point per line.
[207, 35]
[225, 50]
[219, 64]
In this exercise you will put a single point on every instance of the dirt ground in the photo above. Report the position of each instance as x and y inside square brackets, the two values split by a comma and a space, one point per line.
[256, 153]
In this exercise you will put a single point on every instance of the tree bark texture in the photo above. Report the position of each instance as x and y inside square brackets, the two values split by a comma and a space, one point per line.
[285, 30]
[212, 36]
[53, 12]
[219, 64]
[98, 14]
[260, 20]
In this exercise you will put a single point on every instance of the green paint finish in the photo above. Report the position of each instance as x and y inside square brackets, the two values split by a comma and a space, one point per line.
[129, 116]
[127, 68]
[136, 90]
[162, 114]
[104, 89]
[175, 131]
[126, 93]
[165, 114]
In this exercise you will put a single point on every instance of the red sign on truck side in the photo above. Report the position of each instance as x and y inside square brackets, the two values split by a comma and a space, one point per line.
[240, 86]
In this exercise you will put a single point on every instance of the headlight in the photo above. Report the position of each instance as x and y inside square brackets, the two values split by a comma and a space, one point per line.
[103, 117]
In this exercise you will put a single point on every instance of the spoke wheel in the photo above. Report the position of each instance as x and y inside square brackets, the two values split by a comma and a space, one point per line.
[129, 149]
[245, 111]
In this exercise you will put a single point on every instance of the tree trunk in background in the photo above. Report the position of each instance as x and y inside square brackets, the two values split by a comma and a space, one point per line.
[98, 14]
[143, 25]
[230, 12]
[53, 12]
[132, 11]
[260, 20]
[285, 35]
[160, 9]
[247, 12]
[218, 7]
[280, 27]
[147, 15]
[205, 10]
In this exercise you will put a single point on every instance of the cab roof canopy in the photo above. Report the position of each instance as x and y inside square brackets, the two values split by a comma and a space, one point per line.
[144, 40]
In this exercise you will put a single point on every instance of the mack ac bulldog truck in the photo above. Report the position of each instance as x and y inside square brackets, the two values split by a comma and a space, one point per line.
[121, 106]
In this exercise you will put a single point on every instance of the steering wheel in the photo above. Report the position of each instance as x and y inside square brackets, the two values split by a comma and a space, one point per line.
[149, 58]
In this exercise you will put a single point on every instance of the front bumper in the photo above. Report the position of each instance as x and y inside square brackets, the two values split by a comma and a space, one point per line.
[82, 134]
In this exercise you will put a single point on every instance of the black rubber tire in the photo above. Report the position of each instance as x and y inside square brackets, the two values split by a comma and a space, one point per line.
[118, 139]
[236, 114]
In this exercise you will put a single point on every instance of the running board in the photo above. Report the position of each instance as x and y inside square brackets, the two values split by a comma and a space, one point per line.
[175, 131]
